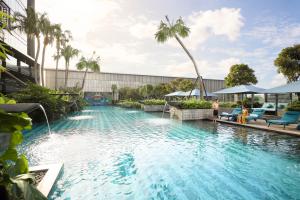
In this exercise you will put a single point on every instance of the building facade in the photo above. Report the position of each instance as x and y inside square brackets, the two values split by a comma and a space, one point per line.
[21, 48]
[102, 82]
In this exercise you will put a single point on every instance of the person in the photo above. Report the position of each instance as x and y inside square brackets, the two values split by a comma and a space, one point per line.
[243, 116]
[215, 107]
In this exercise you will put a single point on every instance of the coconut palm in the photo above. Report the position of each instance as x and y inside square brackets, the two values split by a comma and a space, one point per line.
[167, 30]
[92, 64]
[47, 29]
[61, 39]
[30, 24]
[68, 52]
[114, 90]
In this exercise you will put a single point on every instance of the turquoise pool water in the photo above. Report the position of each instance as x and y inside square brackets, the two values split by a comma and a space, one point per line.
[114, 153]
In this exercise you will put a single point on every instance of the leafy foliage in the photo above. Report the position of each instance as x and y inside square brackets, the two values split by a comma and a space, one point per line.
[54, 106]
[92, 64]
[181, 84]
[294, 106]
[154, 102]
[130, 104]
[240, 74]
[228, 105]
[195, 104]
[288, 62]
[15, 182]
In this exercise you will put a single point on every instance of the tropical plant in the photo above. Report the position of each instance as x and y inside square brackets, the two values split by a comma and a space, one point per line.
[31, 25]
[154, 102]
[288, 63]
[294, 106]
[15, 182]
[195, 104]
[61, 39]
[47, 29]
[182, 84]
[130, 104]
[168, 30]
[68, 52]
[55, 107]
[92, 64]
[240, 74]
[146, 91]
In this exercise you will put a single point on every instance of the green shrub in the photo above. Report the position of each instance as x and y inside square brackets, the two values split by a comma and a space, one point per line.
[195, 104]
[228, 105]
[54, 106]
[130, 104]
[15, 181]
[294, 106]
[154, 102]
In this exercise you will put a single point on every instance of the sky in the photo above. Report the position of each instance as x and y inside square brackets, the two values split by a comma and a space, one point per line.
[222, 33]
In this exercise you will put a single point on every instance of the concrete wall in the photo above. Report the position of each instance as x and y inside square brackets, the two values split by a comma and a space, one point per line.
[102, 82]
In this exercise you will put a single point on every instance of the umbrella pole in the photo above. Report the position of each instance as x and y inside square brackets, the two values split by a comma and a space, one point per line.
[276, 104]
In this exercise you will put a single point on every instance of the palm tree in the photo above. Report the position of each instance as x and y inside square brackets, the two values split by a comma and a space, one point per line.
[113, 89]
[92, 64]
[47, 29]
[168, 30]
[30, 24]
[68, 52]
[61, 39]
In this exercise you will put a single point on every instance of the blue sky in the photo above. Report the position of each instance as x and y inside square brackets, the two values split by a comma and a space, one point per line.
[223, 32]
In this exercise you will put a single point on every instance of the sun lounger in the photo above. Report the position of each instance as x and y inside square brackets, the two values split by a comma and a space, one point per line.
[257, 113]
[290, 117]
[231, 115]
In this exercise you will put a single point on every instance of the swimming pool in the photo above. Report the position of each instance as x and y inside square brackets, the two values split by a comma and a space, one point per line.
[115, 153]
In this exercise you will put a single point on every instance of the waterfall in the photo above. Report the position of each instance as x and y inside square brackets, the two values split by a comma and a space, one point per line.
[45, 114]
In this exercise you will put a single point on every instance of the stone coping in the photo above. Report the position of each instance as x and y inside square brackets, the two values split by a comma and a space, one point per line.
[46, 184]
[276, 129]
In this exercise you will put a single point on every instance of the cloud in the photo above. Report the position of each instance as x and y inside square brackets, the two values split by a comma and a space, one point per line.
[277, 80]
[220, 22]
[276, 34]
[143, 28]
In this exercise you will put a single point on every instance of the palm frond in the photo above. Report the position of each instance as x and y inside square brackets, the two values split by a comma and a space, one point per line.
[163, 32]
[181, 29]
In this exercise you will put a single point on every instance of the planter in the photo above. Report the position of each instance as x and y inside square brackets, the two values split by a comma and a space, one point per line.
[154, 108]
[46, 176]
[190, 114]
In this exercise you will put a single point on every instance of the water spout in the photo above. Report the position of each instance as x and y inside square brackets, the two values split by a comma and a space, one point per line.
[45, 114]
[76, 106]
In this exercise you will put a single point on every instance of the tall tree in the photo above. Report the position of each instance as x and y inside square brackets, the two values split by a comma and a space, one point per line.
[240, 74]
[61, 39]
[92, 64]
[68, 52]
[168, 30]
[182, 84]
[288, 63]
[47, 29]
[31, 25]
[114, 90]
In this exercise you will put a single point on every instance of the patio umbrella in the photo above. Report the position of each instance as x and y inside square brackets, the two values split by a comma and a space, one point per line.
[293, 87]
[242, 89]
[196, 92]
[176, 94]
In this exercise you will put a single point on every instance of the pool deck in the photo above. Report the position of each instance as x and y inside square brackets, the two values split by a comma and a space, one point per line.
[262, 125]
